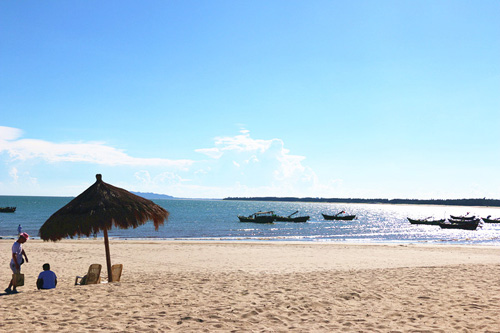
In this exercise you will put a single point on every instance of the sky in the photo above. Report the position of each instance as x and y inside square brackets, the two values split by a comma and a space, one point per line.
[212, 99]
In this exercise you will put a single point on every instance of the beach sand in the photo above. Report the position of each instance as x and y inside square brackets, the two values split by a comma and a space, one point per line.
[259, 286]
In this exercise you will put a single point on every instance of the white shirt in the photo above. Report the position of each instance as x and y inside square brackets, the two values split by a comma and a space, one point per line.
[17, 248]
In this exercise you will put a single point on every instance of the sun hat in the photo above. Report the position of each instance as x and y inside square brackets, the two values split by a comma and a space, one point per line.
[25, 235]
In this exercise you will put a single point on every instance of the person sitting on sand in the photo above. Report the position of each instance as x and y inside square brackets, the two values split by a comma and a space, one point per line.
[46, 279]
[17, 260]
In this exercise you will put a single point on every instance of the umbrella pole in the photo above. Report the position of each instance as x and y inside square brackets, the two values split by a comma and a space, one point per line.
[108, 255]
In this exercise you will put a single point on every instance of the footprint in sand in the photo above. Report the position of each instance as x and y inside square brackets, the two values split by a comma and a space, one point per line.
[249, 314]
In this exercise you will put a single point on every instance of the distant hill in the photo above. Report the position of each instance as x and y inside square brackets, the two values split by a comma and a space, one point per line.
[153, 195]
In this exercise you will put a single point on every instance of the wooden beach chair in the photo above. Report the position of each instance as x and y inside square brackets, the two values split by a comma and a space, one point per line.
[93, 276]
[116, 272]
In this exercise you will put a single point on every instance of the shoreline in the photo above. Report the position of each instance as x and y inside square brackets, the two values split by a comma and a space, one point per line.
[491, 243]
[248, 242]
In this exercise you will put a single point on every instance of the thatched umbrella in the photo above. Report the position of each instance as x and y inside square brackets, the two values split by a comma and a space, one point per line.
[99, 208]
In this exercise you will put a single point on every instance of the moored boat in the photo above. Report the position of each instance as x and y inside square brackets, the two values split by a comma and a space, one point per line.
[338, 216]
[7, 209]
[490, 220]
[259, 217]
[425, 221]
[289, 218]
[463, 217]
[453, 224]
[464, 221]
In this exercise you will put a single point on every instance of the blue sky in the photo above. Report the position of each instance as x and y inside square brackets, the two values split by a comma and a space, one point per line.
[209, 99]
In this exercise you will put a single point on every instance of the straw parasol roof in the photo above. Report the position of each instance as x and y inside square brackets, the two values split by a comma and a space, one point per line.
[99, 208]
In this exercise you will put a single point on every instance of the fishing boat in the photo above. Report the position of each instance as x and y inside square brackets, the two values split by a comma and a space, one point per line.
[463, 221]
[7, 209]
[463, 217]
[259, 217]
[451, 224]
[425, 221]
[338, 216]
[289, 218]
[489, 220]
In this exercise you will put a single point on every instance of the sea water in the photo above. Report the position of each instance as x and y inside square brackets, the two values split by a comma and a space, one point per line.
[217, 220]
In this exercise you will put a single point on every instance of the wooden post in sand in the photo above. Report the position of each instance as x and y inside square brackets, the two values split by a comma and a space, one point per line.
[108, 256]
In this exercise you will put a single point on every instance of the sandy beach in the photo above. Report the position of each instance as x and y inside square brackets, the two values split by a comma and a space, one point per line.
[259, 286]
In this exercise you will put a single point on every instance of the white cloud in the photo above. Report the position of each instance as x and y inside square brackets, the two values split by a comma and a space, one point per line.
[239, 144]
[243, 164]
[9, 133]
[165, 183]
[170, 178]
[210, 152]
[242, 143]
[22, 178]
[238, 166]
[88, 152]
[163, 178]
[143, 176]
[13, 173]
[202, 171]
[252, 159]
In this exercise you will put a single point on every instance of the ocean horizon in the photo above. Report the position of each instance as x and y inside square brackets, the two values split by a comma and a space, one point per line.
[216, 219]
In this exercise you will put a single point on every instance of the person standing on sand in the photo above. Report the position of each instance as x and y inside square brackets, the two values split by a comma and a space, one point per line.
[17, 260]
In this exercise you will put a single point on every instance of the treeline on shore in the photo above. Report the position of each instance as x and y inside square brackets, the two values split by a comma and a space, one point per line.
[447, 202]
